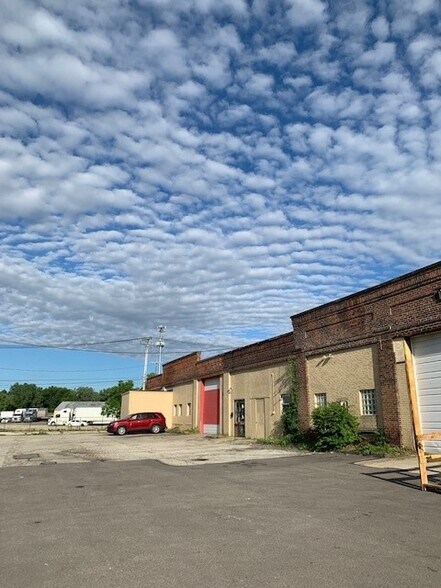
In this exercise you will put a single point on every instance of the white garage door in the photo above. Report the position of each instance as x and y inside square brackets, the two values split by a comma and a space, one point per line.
[427, 360]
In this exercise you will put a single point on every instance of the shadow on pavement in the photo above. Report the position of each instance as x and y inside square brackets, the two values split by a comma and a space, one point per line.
[408, 478]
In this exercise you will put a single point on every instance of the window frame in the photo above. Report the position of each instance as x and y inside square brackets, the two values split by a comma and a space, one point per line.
[368, 402]
[319, 397]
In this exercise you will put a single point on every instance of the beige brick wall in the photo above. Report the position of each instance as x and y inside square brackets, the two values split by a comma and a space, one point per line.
[259, 388]
[341, 376]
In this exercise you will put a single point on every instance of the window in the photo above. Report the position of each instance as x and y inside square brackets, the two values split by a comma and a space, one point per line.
[175, 410]
[179, 409]
[188, 408]
[368, 402]
[284, 402]
[320, 399]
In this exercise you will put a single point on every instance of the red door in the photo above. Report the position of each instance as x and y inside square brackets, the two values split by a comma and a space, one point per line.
[210, 404]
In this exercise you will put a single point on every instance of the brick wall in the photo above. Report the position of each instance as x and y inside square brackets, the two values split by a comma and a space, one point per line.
[258, 354]
[191, 367]
[175, 372]
[402, 307]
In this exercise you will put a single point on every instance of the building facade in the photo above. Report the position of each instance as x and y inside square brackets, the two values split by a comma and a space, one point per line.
[239, 393]
[350, 350]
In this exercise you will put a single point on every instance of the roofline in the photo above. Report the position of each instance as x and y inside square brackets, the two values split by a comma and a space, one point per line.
[370, 289]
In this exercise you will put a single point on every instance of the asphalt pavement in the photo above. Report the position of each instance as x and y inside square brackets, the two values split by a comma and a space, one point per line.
[302, 521]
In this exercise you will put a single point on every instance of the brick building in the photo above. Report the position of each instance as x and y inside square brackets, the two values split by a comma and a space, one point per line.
[352, 349]
[349, 350]
[238, 393]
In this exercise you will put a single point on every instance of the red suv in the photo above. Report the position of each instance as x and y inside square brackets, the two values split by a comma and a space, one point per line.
[154, 422]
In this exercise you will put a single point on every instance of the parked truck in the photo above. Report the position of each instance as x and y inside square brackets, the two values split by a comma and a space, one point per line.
[19, 414]
[42, 414]
[30, 415]
[88, 414]
[6, 416]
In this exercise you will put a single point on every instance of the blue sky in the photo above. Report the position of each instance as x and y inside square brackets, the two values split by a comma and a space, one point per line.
[214, 166]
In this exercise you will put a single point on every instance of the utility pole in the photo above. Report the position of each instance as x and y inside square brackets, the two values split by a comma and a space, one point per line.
[160, 344]
[146, 342]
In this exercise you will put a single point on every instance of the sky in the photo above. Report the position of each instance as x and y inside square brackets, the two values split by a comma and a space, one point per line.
[213, 166]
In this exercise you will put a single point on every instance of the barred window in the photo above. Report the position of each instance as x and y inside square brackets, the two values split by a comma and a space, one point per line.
[368, 402]
[320, 399]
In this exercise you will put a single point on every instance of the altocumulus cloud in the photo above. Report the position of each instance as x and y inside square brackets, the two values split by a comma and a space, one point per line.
[213, 165]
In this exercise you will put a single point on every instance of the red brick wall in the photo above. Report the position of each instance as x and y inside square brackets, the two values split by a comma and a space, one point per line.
[258, 354]
[389, 391]
[191, 367]
[402, 307]
[177, 371]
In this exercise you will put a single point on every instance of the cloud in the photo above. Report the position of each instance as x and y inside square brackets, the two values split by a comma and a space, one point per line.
[214, 166]
[308, 13]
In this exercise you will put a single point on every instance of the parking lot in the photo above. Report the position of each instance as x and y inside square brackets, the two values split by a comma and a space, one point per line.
[87, 509]
[40, 446]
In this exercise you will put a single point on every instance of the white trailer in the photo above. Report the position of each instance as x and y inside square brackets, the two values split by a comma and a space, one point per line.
[88, 414]
[91, 415]
[42, 414]
[6, 416]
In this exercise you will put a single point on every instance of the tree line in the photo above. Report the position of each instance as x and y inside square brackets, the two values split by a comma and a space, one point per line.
[30, 395]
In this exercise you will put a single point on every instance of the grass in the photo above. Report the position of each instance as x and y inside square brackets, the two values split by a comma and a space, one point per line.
[379, 450]
[178, 431]
[362, 448]
[277, 441]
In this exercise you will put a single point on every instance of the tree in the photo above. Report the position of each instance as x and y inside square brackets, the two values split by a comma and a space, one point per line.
[5, 401]
[51, 396]
[112, 397]
[23, 395]
[83, 393]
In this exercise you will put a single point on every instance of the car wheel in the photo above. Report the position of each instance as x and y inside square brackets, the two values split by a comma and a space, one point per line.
[121, 430]
[155, 429]
[52, 424]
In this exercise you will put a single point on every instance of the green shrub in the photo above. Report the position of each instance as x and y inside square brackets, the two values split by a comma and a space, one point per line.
[334, 426]
[290, 417]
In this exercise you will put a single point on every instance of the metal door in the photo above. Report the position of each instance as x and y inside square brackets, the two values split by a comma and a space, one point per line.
[239, 418]
[427, 362]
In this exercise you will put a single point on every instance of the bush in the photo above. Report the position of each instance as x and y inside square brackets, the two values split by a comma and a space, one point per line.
[334, 426]
[290, 417]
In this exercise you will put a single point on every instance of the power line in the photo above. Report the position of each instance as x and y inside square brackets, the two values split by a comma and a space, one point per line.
[14, 369]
